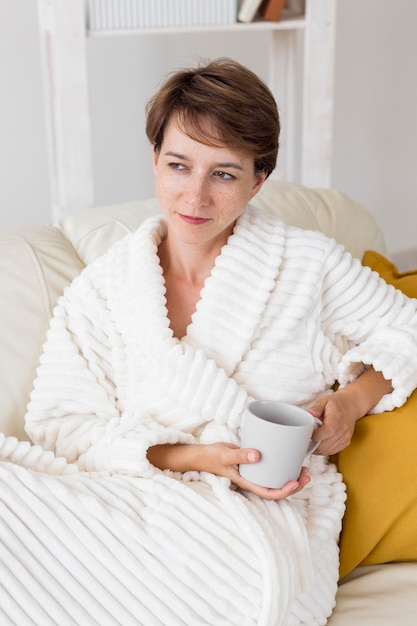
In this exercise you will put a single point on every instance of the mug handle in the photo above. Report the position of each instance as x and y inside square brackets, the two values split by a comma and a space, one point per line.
[313, 445]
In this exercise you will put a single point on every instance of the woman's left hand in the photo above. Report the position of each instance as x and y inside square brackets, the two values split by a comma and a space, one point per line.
[340, 411]
[339, 421]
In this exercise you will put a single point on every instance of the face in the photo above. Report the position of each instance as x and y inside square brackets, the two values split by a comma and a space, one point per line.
[202, 189]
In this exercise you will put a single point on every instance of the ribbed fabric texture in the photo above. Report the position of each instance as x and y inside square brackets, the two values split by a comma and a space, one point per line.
[279, 318]
[103, 550]
[116, 541]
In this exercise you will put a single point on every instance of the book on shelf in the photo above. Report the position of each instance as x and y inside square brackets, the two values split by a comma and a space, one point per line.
[271, 9]
[295, 7]
[120, 14]
[248, 10]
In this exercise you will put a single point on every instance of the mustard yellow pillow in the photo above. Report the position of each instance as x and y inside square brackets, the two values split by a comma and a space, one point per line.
[380, 470]
[406, 281]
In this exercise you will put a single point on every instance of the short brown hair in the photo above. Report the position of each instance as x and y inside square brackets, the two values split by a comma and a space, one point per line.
[232, 98]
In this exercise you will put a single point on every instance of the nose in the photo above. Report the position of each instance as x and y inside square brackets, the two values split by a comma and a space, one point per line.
[197, 191]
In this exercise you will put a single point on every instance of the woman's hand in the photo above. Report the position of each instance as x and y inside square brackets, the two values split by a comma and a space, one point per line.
[340, 411]
[339, 421]
[221, 459]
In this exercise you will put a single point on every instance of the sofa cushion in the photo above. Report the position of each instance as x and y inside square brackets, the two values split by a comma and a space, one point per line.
[377, 595]
[94, 230]
[35, 265]
[379, 469]
[327, 210]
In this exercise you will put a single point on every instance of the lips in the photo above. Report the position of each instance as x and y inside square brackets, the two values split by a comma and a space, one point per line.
[195, 221]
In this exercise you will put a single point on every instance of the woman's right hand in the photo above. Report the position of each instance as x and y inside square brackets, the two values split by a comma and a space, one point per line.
[221, 459]
[226, 458]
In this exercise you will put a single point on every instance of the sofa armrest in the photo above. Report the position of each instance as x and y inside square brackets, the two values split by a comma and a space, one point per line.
[36, 264]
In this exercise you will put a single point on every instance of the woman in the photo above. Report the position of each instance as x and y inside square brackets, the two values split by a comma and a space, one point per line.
[153, 354]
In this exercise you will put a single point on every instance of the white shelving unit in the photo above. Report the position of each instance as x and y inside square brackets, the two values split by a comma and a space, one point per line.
[64, 34]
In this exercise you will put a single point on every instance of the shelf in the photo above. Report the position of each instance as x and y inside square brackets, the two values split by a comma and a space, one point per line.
[289, 23]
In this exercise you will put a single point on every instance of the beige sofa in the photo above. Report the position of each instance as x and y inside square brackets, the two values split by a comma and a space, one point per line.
[36, 263]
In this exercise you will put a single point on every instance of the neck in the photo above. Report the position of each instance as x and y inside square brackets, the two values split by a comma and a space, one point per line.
[190, 263]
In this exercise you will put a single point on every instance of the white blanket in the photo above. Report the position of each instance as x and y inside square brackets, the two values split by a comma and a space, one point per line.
[81, 549]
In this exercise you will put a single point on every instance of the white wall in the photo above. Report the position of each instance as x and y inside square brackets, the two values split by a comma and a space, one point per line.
[375, 130]
[24, 190]
[375, 136]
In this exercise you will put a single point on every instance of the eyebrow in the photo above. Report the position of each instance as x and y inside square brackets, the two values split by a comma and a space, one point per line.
[226, 164]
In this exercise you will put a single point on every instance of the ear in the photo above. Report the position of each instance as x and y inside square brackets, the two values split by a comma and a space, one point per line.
[260, 178]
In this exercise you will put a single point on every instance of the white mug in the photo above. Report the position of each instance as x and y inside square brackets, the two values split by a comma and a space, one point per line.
[282, 434]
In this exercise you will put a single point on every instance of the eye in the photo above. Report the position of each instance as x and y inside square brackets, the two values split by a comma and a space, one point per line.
[224, 175]
[179, 167]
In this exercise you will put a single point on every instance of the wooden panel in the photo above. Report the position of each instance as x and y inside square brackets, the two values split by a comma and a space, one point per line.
[283, 84]
[319, 54]
[63, 48]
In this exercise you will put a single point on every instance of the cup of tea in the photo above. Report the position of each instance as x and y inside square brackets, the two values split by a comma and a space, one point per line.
[282, 434]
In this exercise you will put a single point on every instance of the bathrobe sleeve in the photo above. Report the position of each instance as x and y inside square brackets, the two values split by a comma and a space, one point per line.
[371, 323]
[74, 408]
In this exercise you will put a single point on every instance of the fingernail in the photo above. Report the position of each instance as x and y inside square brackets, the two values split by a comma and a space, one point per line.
[252, 457]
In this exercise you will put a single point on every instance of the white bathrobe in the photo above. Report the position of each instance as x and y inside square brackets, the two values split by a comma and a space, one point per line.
[101, 536]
